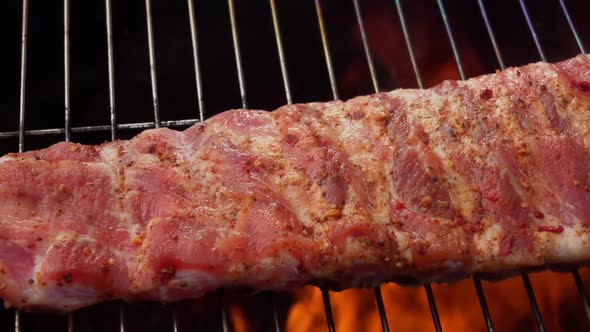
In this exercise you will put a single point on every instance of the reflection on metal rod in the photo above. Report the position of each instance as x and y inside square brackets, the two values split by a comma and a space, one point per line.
[67, 69]
[451, 38]
[195, 44]
[327, 56]
[23, 75]
[402, 20]
[152, 56]
[478, 287]
[570, 22]
[361, 24]
[582, 292]
[486, 20]
[532, 30]
[280, 49]
[236, 42]
[111, 69]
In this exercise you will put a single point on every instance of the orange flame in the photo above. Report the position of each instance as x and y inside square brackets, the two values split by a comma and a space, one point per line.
[408, 310]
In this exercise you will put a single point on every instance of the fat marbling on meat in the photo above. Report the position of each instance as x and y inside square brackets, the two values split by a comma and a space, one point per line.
[488, 176]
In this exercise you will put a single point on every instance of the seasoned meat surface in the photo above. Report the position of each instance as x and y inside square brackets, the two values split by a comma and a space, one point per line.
[488, 176]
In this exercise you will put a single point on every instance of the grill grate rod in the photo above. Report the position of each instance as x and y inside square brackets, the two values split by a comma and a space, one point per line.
[381, 308]
[491, 34]
[242, 86]
[326, 46]
[483, 304]
[375, 81]
[152, 57]
[476, 281]
[100, 128]
[111, 69]
[333, 86]
[534, 306]
[328, 310]
[582, 292]
[361, 24]
[195, 44]
[112, 107]
[570, 22]
[280, 49]
[225, 320]
[529, 23]
[21, 119]
[67, 129]
[427, 287]
[525, 278]
[23, 75]
[575, 273]
[408, 41]
[433, 310]
[156, 105]
[238, 57]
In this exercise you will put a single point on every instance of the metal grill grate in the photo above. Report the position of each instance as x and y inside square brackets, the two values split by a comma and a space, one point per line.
[114, 126]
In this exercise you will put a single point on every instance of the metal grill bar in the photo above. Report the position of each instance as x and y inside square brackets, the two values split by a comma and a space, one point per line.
[534, 306]
[582, 292]
[275, 315]
[570, 22]
[195, 44]
[477, 283]
[67, 129]
[381, 307]
[409, 47]
[532, 29]
[67, 69]
[236, 41]
[225, 320]
[484, 14]
[333, 86]
[111, 69]
[400, 12]
[443, 13]
[525, 277]
[21, 117]
[17, 327]
[88, 129]
[433, 310]
[112, 107]
[325, 45]
[328, 310]
[576, 275]
[175, 327]
[242, 86]
[23, 75]
[152, 56]
[483, 304]
[375, 81]
[122, 319]
[361, 24]
[280, 49]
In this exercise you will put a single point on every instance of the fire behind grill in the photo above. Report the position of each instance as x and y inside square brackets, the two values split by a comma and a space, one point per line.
[140, 65]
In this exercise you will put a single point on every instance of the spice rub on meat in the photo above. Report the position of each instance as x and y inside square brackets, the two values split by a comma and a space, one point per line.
[486, 176]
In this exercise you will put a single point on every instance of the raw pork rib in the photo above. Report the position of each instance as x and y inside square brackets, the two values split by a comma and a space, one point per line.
[486, 176]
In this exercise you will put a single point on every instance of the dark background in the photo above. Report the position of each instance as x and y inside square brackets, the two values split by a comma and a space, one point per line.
[44, 94]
